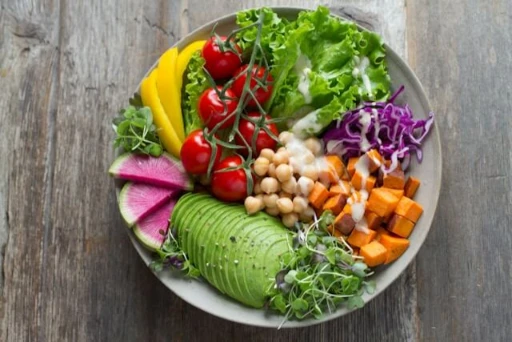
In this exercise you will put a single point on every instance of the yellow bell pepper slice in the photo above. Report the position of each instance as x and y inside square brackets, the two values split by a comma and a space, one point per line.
[166, 132]
[168, 91]
[184, 58]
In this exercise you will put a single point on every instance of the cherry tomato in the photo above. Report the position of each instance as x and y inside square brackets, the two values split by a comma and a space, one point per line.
[229, 186]
[196, 152]
[214, 110]
[220, 64]
[262, 94]
[263, 140]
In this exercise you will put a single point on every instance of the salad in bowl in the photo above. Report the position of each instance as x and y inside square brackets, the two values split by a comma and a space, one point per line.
[271, 163]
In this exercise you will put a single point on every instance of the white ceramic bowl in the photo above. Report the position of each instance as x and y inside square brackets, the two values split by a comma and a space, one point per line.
[207, 298]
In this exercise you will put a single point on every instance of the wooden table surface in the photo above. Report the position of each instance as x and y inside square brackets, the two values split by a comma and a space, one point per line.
[68, 270]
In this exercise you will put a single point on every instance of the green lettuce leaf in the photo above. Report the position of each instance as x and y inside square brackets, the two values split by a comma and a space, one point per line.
[196, 83]
[326, 62]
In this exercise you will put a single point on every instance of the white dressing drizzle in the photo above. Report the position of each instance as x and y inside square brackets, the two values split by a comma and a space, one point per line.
[360, 71]
[303, 68]
[365, 119]
[307, 124]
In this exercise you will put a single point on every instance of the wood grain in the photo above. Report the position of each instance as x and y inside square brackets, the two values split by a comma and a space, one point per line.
[69, 271]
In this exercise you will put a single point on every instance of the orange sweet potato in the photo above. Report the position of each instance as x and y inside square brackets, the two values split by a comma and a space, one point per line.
[359, 238]
[411, 186]
[386, 164]
[381, 231]
[395, 247]
[381, 202]
[318, 195]
[409, 209]
[335, 203]
[374, 253]
[334, 232]
[343, 187]
[397, 192]
[336, 165]
[373, 220]
[400, 226]
[344, 223]
[394, 180]
[357, 182]
[351, 166]
[375, 160]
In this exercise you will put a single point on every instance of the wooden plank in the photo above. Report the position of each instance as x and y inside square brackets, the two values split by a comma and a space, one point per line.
[29, 62]
[464, 278]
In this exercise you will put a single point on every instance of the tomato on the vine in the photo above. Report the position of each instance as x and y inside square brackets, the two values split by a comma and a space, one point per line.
[229, 186]
[196, 153]
[263, 139]
[218, 63]
[262, 94]
[213, 110]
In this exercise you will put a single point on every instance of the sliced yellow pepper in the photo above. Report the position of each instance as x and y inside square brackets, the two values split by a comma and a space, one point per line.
[168, 91]
[184, 58]
[166, 132]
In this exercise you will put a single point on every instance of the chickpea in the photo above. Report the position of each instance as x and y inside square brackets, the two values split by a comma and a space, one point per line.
[307, 215]
[252, 205]
[281, 158]
[267, 153]
[313, 145]
[272, 170]
[290, 186]
[284, 205]
[310, 171]
[281, 149]
[270, 200]
[260, 197]
[309, 158]
[272, 211]
[270, 185]
[299, 204]
[285, 137]
[257, 188]
[284, 194]
[295, 164]
[305, 185]
[290, 219]
[261, 166]
[284, 172]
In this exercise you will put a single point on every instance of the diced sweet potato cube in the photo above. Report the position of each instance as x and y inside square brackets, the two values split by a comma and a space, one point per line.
[318, 195]
[411, 186]
[347, 209]
[351, 166]
[344, 223]
[373, 220]
[335, 204]
[357, 182]
[381, 231]
[395, 247]
[374, 253]
[334, 232]
[359, 238]
[394, 180]
[409, 209]
[382, 202]
[336, 165]
[400, 226]
[343, 188]
[386, 164]
[397, 192]
[375, 160]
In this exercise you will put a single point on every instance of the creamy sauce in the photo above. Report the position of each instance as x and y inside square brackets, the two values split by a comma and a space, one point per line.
[358, 207]
[375, 116]
[307, 124]
[303, 68]
[360, 71]
[365, 119]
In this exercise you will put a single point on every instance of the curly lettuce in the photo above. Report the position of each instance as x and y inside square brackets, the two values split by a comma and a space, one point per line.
[324, 59]
[196, 83]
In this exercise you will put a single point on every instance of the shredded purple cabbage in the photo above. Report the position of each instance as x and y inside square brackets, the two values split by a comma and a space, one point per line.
[391, 130]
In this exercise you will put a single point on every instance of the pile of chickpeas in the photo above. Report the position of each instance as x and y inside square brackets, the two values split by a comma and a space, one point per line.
[283, 186]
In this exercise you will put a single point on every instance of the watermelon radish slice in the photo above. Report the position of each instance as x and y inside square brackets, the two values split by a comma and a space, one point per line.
[165, 171]
[137, 201]
[149, 230]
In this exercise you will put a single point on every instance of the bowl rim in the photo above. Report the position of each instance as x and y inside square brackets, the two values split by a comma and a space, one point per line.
[383, 284]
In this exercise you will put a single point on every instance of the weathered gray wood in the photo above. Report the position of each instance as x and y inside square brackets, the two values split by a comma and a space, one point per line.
[461, 52]
[69, 270]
